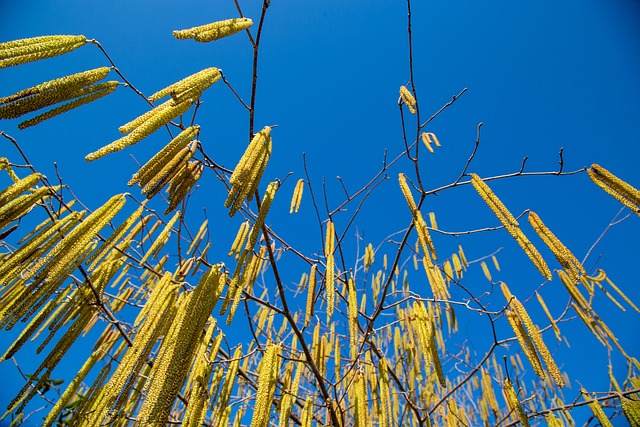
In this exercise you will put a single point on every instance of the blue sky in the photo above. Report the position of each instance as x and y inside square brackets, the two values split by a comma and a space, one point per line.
[540, 76]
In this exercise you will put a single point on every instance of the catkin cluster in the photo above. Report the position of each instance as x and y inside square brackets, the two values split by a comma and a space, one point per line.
[81, 88]
[215, 30]
[248, 172]
[172, 166]
[21, 51]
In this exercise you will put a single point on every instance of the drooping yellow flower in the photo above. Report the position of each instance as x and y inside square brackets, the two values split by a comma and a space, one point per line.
[617, 188]
[215, 30]
[21, 51]
[408, 99]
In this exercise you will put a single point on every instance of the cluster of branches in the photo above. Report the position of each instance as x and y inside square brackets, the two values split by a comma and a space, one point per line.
[352, 344]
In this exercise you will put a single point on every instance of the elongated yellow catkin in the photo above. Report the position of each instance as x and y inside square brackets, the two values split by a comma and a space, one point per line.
[160, 118]
[568, 261]
[538, 342]
[51, 92]
[514, 403]
[353, 318]
[385, 419]
[296, 199]
[150, 321]
[267, 382]
[617, 188]
[329, 275]
[83, 96]
[72, 388]
[18, 188]
[179, 348]
[306, 417]
[161, 239]
[248, 172]
[408, 99]
[182, 183]
[597, 411]
[192, 85]
[21, 205]
[157, 162]
[311, 291]
[554, 325]
[21, 51]
[215, 30]
[406, 192]
[631, 410]
[169, 171]
[510, 224]
[525, 342]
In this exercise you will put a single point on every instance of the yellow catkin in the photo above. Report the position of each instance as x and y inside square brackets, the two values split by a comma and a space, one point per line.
[306, 417]
[514, 403]
[369, 256]
[247, 174]
[72, 388]
[296, 199]
[597, 411]
[485, 270]
[215, 30]
[568, 261]
[353, 318]
[360, 397]
[145, 129]
[83, 97]
[30, 250]
[229, 382]
[408, 99]
[426, 140]
[554, 325]
[385, 419]
[198, 380]
[131, 125]
[182, 183]
[192, 85]
[488, 393]
[113, 239]
[18, 188]
[161, 239]
[52, 92]
[157, 162]
[21, 205]
[310, 295]
[631, 410]
[617, 188]
[178, 349]
[510, 224]
[538, 342]
[236, 246]
[289, 398]
[423, 235]
[406, 192]
[267, 382]
[168, 171]
[525, 342]
[21, 51]
[199, 236]
[329, 276]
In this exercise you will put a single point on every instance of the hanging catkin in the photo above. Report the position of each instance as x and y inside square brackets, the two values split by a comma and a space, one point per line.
[215, 30]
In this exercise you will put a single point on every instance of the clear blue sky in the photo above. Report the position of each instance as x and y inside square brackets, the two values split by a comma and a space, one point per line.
[540, 76]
